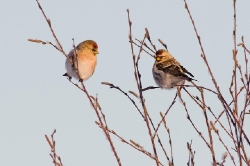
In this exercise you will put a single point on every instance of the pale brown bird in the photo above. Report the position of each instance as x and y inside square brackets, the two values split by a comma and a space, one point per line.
[167, 72]
[86, 58]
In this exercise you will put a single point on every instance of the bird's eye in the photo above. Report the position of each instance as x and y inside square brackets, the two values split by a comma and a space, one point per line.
[158, 59]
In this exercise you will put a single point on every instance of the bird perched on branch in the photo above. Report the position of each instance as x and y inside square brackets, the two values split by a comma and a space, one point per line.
[86, 57]
[167, 72]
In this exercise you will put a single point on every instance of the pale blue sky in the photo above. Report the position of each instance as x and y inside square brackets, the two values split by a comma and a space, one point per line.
[35, 99]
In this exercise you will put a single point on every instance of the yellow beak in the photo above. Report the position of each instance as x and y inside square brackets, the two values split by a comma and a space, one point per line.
[158, 58]
[96, 52]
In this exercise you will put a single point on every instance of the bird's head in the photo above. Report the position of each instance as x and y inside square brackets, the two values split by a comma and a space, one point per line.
[88, 44]
[162, 55]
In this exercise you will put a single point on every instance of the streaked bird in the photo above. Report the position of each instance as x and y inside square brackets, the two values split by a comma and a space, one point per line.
[86, 58]
[167, 72]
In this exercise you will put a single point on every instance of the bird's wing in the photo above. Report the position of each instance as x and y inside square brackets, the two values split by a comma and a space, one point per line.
[186, 71]
[173, 69]
[71, 54]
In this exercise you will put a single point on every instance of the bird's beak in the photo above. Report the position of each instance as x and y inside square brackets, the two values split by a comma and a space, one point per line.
[158, 58]
[96, 52]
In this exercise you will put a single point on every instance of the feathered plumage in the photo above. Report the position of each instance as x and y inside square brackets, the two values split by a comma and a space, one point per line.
[168, 72]
[86, 58]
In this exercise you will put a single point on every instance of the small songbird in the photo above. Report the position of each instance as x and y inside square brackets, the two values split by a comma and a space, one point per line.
[86, 58]
[167, 72]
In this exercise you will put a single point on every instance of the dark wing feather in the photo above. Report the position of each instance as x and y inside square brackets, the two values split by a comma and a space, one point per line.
[71, 56]
[174, 70]
[186, 71]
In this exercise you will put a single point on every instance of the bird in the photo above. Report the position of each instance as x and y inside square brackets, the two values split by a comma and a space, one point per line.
[168, 73]
[86, 57]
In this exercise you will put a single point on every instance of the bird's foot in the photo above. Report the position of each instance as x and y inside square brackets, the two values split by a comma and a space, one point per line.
[80, 80]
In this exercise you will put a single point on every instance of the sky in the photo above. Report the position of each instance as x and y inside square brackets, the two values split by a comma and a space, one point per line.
[35, 98]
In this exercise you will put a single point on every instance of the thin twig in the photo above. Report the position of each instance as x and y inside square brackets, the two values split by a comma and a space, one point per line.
[126, 94]
[132, 144]
[163, 117]
[138, 81]
[53, 154]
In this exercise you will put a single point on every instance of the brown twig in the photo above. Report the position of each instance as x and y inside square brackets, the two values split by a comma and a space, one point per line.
[203, 55]
[149, 39]
[138, 81]
[164, 44]
[43, 42]
[93, 104]
[235, 51]
[118, 88]
[188, 117]
[132, 144]
[105, 127]
[201, 87]
[224, 156]
[52, 31]
[170, 140]
[197, 100]
[220, 139]
[126, 94]
[144, 44]
[222, 112]
[53, 154]
[208, 128]
[191, 154]
[163, 117]
[244, 46]
[153, 56]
